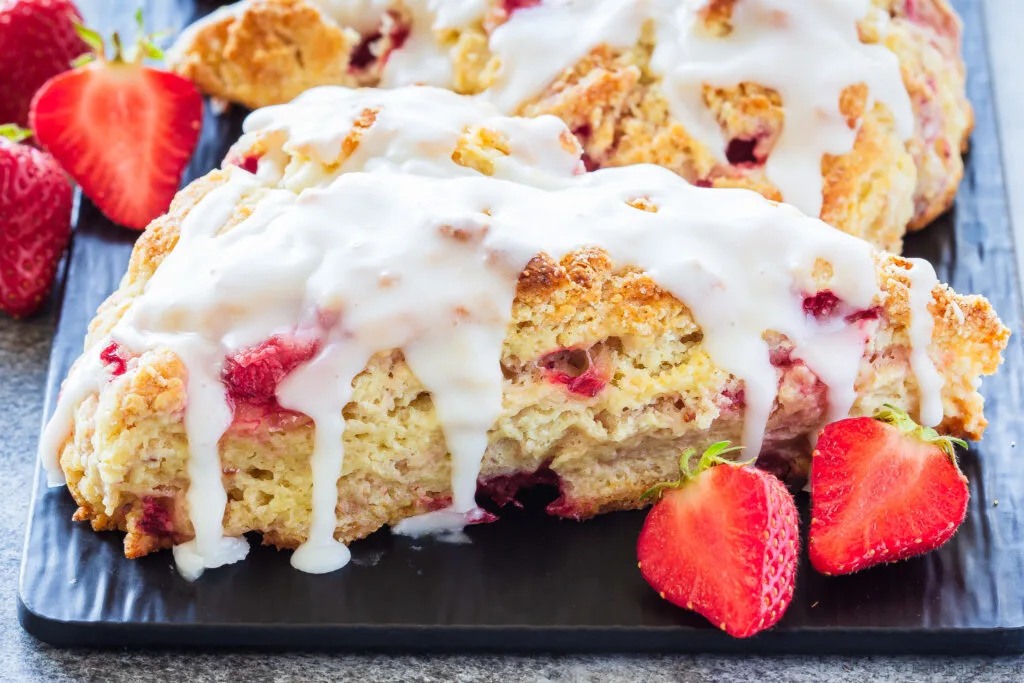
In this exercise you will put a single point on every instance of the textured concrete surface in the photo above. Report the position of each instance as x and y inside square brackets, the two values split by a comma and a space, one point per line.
[24, 347]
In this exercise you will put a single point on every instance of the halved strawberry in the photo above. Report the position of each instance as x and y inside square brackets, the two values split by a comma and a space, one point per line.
[882, 489]
[122, 130]
[723, 542]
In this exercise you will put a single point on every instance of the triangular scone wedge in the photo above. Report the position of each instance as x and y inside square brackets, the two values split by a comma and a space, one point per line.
[611, 361]
[612, 81]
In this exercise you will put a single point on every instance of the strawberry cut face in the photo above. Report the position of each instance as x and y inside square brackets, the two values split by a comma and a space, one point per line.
[156, 518]
[880, 495]
[821, 305]
[113, 358]
[513, 6]
[249, 162]
[744, 152]
[577, 369]
[123, 131]
[369, 51]
[253, 374]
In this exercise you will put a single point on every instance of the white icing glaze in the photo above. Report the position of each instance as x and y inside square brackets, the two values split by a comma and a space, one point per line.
[364, 16]
[771, 43]
[411, 133]
[922, 281]
[538, 43]
[409, 250]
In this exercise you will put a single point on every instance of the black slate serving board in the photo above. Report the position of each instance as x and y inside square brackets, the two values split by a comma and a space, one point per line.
[529, 582]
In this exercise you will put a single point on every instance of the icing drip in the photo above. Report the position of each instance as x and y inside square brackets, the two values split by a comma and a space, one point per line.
[82, 381]
[320, 390]
[922, 281]
[409, 250]
[537, 43]
[207, 417]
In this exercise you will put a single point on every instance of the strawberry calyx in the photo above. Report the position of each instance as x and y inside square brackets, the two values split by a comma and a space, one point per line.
[144, 47]
[711, 457]
[891, 415]
[14, 132]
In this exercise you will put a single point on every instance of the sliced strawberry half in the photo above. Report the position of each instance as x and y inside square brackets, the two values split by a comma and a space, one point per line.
[882, 489]
[122, 130]
[723, 541]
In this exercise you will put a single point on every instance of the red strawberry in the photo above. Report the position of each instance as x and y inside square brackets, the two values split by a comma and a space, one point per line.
[513, 6]
[723, 542]
[882, 489]
[124, 131]
[35, 223]
[580, 370]
[253, 374]
[37, 41]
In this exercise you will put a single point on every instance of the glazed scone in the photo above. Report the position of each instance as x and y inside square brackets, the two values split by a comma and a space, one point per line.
[852, 110]
[388, 300]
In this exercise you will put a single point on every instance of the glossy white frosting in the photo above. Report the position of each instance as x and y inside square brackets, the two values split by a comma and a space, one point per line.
[400, 247]
[809, 52]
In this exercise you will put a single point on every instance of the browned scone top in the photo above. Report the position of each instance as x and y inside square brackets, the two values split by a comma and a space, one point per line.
[268, 51]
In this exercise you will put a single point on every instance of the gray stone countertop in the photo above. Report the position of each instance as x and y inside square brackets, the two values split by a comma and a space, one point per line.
[24, 349]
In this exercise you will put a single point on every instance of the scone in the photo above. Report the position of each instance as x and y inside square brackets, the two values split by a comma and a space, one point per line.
[389, 300]
[852, 110]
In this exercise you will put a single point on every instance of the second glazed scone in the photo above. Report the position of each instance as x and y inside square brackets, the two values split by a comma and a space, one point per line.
[389, 300]
[850, 109]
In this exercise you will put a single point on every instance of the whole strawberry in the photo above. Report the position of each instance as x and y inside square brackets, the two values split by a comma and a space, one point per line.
[882, 489]
[37, 41]
[723, 541]
[35, 222]
[123, 130]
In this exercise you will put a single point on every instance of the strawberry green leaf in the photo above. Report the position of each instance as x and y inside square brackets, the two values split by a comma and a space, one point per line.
[712, 456]
[83, 59]
[899, 418]
[14, 133]
[150, 50]
[91, 38]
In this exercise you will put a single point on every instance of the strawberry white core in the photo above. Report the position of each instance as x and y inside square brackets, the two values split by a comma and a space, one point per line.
[400, 247]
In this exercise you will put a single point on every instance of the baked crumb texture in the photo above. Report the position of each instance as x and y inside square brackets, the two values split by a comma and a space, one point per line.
[268, 51]
[606, 381]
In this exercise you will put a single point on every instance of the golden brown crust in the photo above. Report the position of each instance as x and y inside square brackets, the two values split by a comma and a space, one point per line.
[616, 106]
[271, 52]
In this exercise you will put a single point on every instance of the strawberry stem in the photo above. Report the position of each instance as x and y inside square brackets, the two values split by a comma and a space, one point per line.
[118, 52]
[144, 47]
[890, 414]
[712, 456]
